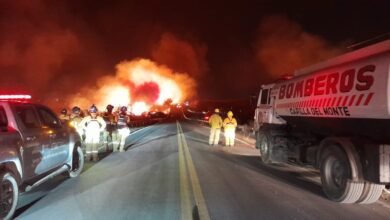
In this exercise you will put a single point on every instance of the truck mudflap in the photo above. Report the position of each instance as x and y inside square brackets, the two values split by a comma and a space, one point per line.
[384, 163]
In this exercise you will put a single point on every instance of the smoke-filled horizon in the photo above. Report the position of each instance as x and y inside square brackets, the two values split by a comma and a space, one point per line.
[57, 49]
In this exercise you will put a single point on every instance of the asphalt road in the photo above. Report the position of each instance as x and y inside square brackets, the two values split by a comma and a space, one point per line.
[170, 172]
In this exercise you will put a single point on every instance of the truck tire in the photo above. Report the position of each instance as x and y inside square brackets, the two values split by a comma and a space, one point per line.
[371, 193]
[386, 189]
[9, 193]
[257, 139]
[77, 162]
[264, 144]
[336, 173]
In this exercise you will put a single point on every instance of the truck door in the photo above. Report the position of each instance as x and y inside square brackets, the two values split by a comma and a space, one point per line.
[264, 108]
[57, 138]
[33, 144]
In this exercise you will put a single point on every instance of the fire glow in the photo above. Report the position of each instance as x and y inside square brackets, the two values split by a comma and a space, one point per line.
[139, 85]
[139, 107]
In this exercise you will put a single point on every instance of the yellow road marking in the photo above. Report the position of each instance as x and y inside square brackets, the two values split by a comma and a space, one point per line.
[185, 203]
[196, 188]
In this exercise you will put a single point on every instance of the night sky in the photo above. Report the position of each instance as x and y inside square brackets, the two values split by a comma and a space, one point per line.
[53, 48]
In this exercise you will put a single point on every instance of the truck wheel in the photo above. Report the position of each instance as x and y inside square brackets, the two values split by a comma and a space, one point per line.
[257, 140]
[265, 147]
[9, 192]
[371, 193]
[387, 189]
[77, 162]
[336, 176]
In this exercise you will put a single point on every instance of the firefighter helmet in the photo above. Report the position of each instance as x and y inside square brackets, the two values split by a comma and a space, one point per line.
[76, 110]
[93, 109]
[64, 111]
[110, 107]
[123, 109]
[230, 114]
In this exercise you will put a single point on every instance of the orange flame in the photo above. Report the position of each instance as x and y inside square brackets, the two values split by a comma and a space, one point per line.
[139, 107]
[138, 84]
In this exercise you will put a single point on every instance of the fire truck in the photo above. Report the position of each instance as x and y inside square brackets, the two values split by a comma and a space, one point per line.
[335, 116]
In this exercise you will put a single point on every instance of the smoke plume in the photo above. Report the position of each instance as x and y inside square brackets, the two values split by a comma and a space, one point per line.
[52, 53]
[283, 47]
[181, 55]
[32, 49]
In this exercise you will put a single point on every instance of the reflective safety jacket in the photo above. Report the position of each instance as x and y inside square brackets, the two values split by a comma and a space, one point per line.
[93, 126]
[109, 118]
[229, 123]
[75, 121]
[122, 120]
[215, 121]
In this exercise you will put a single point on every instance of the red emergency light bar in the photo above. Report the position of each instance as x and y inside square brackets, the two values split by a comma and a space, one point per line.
[14, 97]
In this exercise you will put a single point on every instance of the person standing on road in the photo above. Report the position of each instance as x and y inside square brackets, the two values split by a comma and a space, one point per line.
[215, 122]
[93, 125]
[230, 125]
[122, 120]
[75, 121]
[110, 134]
[64, 117]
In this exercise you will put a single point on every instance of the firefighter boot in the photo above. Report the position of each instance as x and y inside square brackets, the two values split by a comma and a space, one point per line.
[115, 146]
[95, 157]
[122, 144]
[121, 148]
[95, 152]
[115, 142]
[106, 140]
[88, 152]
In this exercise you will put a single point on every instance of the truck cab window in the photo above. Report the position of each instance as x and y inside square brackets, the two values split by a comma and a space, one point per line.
[27, 116]
[264, 96]
[48, 118]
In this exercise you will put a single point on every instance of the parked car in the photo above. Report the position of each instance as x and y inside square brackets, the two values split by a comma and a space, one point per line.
[34, 147]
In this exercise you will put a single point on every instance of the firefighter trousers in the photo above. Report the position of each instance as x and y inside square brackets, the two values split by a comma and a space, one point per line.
[91, 147]
[214, 136]
[122, 134]
[230, 135]
[109, 138]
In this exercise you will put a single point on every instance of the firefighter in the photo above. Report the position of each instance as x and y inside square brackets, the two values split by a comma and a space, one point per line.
[229, 125]
[110, 134]
[93, 125]
[64, 117]
[75, 121]
[215, 122]
[122, 119]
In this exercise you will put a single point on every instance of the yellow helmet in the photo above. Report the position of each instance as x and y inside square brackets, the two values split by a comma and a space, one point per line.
[216, 110]
[230, 114]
